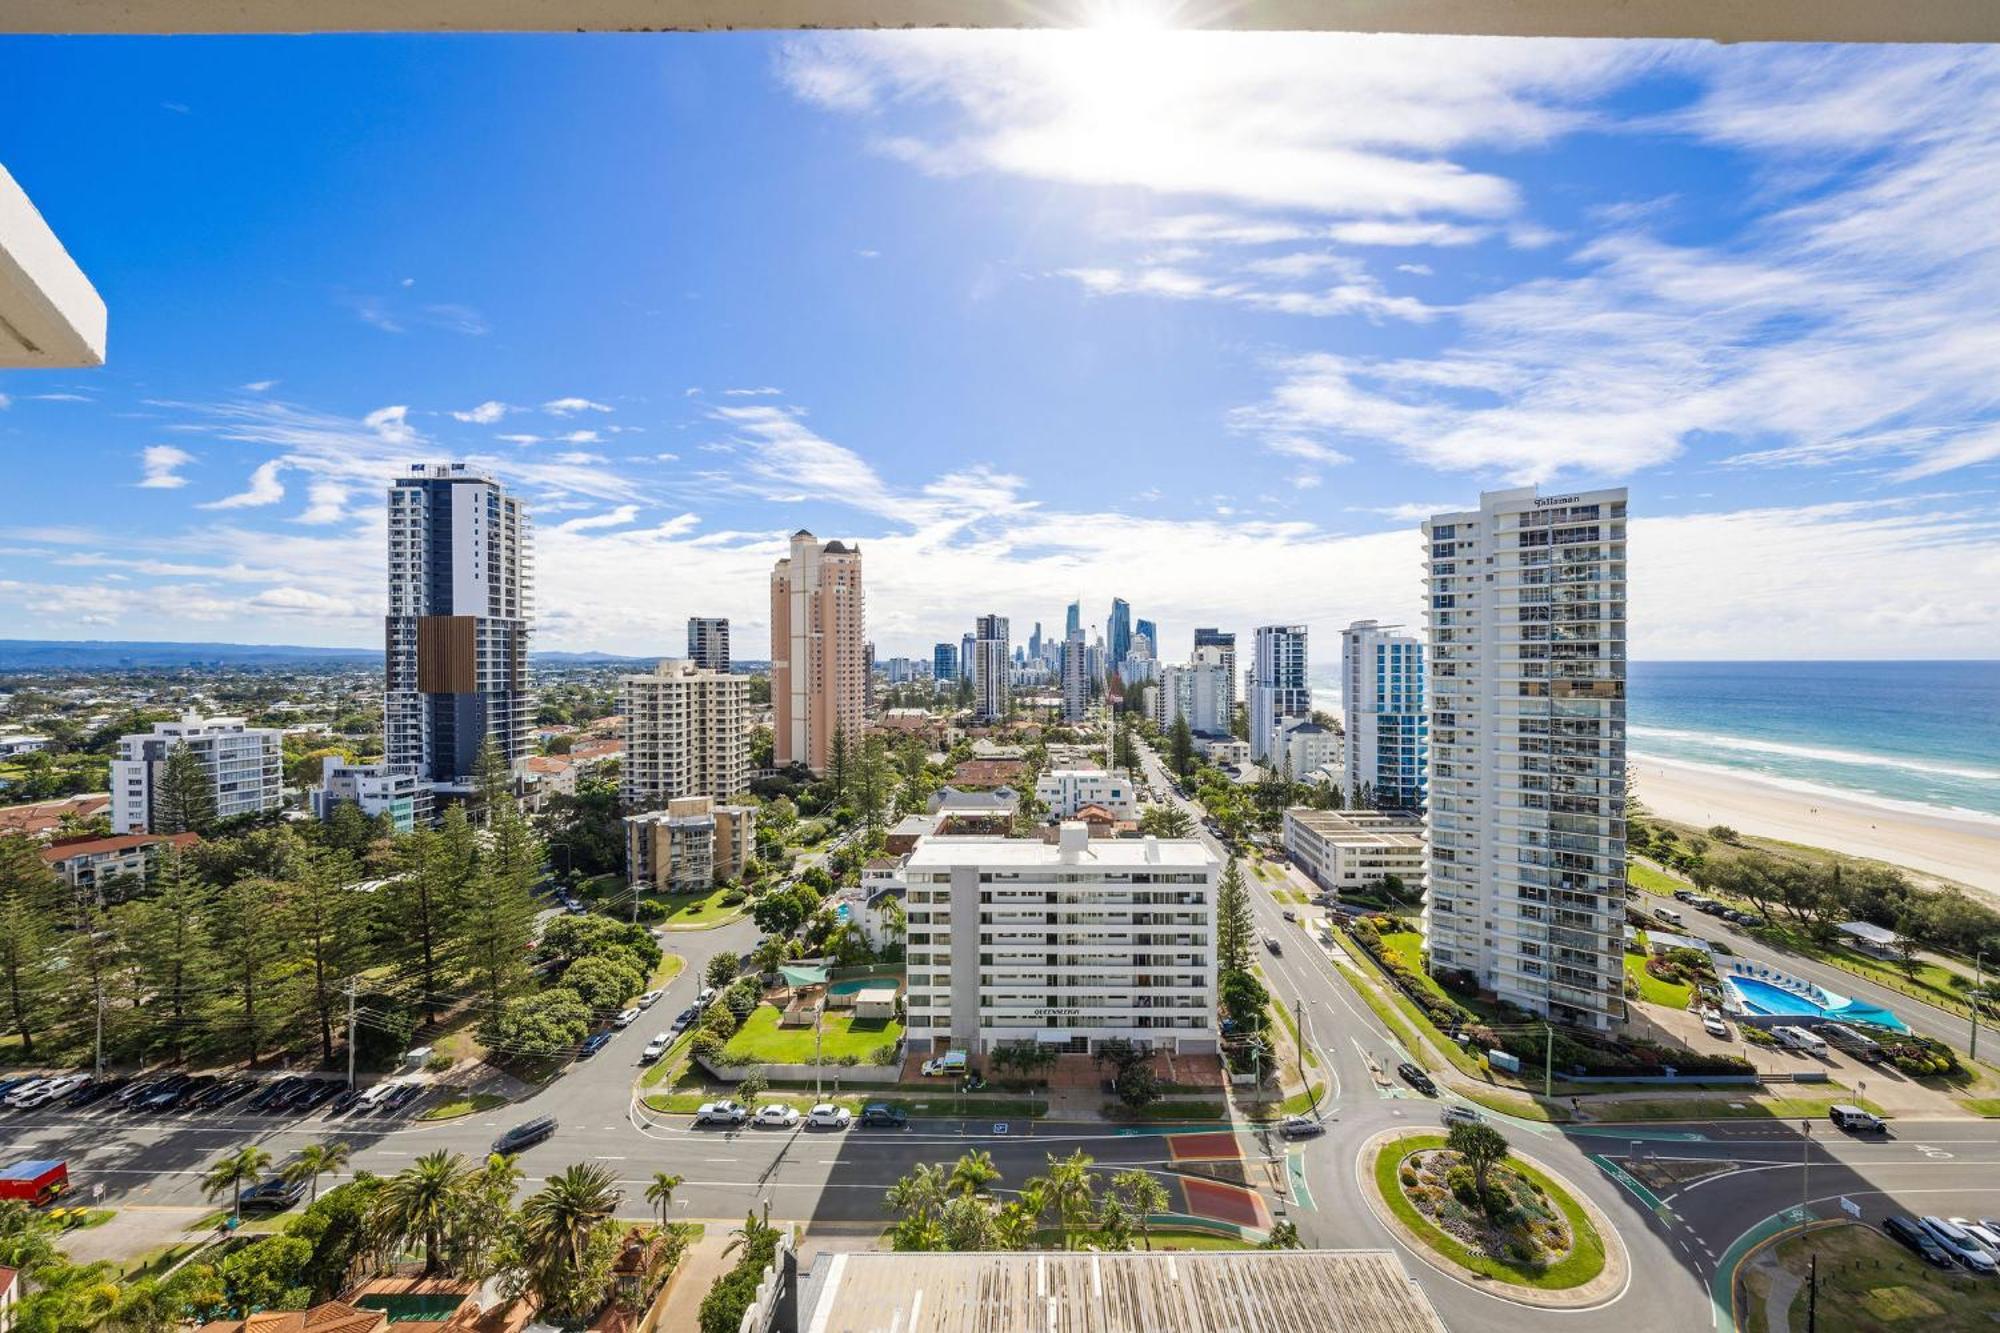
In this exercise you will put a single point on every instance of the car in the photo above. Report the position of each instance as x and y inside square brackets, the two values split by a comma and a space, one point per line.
[1416, 1078]
[721, 1113]
[49, 1091]
[827, 1116]
[165, 1096]
[18, 1095]
[1986, 1235]
[344, 1102]
[1271, 943]
[1957, 1242]
[316, 1093]
[650, 998]
[273, 1196]
[273, 1096]
[1714, 1026]
[593, 1044]
[1460, 1115]
[1290, 915]
[775, 1115]
[526, 1135]
[881, 1115]
[8, 1085]
[1906, 1230]
[706, 998]
[404, 1094]
[1853, 1118]
[1750, 920]
[656, 1048]
[92, 1093]
[131, 1092]
[685, 1017]
[626, 1018]
[1300, 1127]
[1684, 895]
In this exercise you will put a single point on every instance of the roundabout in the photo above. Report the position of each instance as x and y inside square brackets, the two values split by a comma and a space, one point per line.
[1543, 1244]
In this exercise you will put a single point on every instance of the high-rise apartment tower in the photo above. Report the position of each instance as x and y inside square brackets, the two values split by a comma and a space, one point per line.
[819, 666]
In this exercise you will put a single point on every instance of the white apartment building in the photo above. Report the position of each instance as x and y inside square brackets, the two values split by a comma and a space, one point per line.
[378, 789]
[1304, 746]
[1199, 692]
[1382, 709]
[1075, 677]
[1067, 790]
[1527, 621]
[246, 764]
[1064, 944]
[991, 668]
[1215, 647]
[1278, 687]
[1347, 851]
[686, 734]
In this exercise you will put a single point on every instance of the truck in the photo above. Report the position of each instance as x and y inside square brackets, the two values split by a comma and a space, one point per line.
[36, 1182]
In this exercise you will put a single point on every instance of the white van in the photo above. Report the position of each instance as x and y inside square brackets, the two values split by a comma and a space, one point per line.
[1799, 1039]
[1668, 915]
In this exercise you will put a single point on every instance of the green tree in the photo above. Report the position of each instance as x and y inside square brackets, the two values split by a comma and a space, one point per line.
[184, 796]
[839, 766]
[420, 1203]
[973, 1172]
[483, 1220]
[1142, 1196]
[1234, 927]
[230, 1173]
[660, 1192]
[493, 780]
[1166, 821]
[569, 1241]
[497, 922]
[1071, 1190]
[30, 909]
[919, 1196]
[1245, 1000]
[1481, 1147]
[246, 922]
[315, 1160]
[423, 904]
[1180, 746]
[1283, 1236]
[326, 922]
[722, 968]
[603, 983]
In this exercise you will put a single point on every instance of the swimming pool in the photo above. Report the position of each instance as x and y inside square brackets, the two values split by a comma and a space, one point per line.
[407, 1305]
[856, 984]
[1758, 996]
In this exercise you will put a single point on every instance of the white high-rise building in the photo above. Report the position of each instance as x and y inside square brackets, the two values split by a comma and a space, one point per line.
[708, 642]
[1215, 647]
[245, 765]
[1063, 944]
[461, 604]
[1382, 710]
[1075, 676]
[1278, 687]
[1198, 692]
[1527, 750]
[990, 668]
[686, 734]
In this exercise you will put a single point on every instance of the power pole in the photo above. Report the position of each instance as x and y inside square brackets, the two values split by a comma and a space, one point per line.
[1978, 987]
[818, 1012]
[99, 1064]
[1812, 1296]
[350, 1034]
[1805, 1169]
[1548, 1061]
[1299, 1016]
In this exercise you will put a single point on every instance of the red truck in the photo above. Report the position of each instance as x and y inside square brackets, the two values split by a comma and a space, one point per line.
[37, 1183]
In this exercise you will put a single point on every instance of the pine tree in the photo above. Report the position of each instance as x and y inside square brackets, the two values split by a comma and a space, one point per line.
[423, 904]
[184, 798]
[166, 936]
[30, 904]
[246, 921]
[494, 778]
[326, 923]
[837, 765]
[498, 920]
[1180, 746]
[1234, 927]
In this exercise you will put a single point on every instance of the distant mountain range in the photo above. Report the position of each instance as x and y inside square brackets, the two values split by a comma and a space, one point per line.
[111, 655]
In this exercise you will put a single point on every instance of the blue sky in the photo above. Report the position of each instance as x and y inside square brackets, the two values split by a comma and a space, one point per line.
[1205, 321]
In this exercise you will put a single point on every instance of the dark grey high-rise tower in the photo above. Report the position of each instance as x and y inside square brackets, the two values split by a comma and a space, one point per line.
[708, 642]
[461, 602]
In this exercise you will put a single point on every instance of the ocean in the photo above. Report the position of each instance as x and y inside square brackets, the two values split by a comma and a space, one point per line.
[1913, 733]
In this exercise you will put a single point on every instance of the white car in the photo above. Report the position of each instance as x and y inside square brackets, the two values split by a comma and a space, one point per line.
[44, 1091]
[828, 1116]
[19, 1096]
[775, 1116]
[650, 998]
[706, 997]
[627, 1019]
[1714, 1026]
[657, 1047]
[722, 1113]
[1460, 1115]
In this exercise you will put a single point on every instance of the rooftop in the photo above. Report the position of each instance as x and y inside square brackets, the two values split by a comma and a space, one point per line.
[1361, 828]
[1104, 853]
[124, 842]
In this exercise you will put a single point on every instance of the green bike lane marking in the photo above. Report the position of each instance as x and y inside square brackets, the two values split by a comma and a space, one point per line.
[1295, 1167]
[1631, 1184]
[1722, 1286]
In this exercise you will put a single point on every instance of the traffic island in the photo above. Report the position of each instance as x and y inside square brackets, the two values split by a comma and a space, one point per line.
[1538, 1241]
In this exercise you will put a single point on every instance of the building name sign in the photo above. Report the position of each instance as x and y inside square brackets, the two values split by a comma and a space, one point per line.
[1056, 1013]
[1543, 502]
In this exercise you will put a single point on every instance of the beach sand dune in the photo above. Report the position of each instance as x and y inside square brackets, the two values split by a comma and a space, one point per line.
[1965, 850]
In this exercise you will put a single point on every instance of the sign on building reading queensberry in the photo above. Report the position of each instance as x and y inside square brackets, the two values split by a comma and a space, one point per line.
[1057, 1013]
[1543, 502]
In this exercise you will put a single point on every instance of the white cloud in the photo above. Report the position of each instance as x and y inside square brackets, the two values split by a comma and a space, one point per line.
[563, 407]
[579, 437]
[764, 392]
[613, 518]
[485, 414]
[326, 502]
[163, 463]
[264, 489]
[260, 386]
[521, 439]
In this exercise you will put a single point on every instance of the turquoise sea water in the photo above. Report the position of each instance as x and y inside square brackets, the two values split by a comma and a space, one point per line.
[1923, 734]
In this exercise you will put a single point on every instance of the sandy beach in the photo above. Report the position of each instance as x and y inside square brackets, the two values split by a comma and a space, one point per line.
[1966, 850]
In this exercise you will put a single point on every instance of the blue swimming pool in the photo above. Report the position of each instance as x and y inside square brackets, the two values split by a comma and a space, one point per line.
[1763, 997]
[855, 984]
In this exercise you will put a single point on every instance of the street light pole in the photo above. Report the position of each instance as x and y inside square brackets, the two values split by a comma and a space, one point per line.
[1978, 986]
[1805, 1169]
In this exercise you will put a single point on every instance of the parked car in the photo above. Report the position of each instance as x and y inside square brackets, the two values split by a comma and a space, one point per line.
[9, 1085]
[1906, 1230]
[828, 1116]
[94, 1092]
[1749, 920]
[656, 1048]
[168, 1095]
[1957, 1242]
[1460, 1115]
[1714, 1026]
[685, 1017]
[593, 1044]
[344, 1102]
[1300, 1127]
[18, 1095]
[706, 998]
[1684, 895]
[273, 1196]
[650, 998]
[721, 1113]
[627, 1017]
[404, 1094]
[1983, 1232]
[1417, 1079]
[884, 1116]
[524, 1136]
[775, 1115]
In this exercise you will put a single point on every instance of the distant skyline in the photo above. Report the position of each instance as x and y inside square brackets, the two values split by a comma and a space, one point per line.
[1205, 321]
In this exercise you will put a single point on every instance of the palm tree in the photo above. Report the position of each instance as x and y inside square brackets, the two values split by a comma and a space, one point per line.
[230, 1174]
[1142, 1196]
[753, 1234]
[661, 1193]
[559, 1223]
[920, 1194]
[1070, 1189]
[1014, 1226]
[973, 1172]
[68, 1296]
[315, 1160]
[421, 1200]
[27, 1238]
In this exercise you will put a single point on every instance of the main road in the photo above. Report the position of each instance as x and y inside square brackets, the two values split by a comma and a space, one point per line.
[1733, 1175]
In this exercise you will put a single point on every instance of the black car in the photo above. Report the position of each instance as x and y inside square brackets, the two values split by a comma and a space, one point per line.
[224, 1093]
[1417, 1079]
[1906, 1230]
[345, 1101]
[162, 1096]
[94, 1092]
[317, 1092]
[521, 1137]
[883, 1115]
[403, 1095]
[273, 1196]
[272, 1098]
[686, 1016]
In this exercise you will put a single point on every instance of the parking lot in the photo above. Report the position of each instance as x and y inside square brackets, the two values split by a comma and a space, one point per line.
[179, 1096]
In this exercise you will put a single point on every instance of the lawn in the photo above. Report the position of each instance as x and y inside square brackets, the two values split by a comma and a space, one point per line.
[470, 1103]
[760, 1041]
[697, 911]
[1866, 1282]
[1584, 1261]
[1749, 1106]
[1651, 880]
[669, 968]
[1667, 994]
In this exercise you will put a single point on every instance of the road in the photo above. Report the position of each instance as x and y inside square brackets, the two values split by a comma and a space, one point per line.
[1676, 1238]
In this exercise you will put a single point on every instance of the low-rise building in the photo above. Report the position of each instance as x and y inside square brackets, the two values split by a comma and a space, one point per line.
[989, 772]
[16, 743]
[244, 766]
[1002, 802]
[690, 846]
[1349, 851]
[90, 863]
[44, 819]
[883, 889]
[1305, 745]
[903, 835]
[1065, 944]
[1065, 791]
[1222, 751]
[378, 789]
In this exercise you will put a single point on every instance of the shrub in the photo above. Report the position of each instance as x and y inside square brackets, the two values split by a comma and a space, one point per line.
[1407, 1176]
[1463, 1188]
[708, 1044]
[652, 911]
[439, 1062]
[733, 897]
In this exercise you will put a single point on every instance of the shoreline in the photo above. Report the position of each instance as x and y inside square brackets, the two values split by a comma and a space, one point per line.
[1965, 850]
